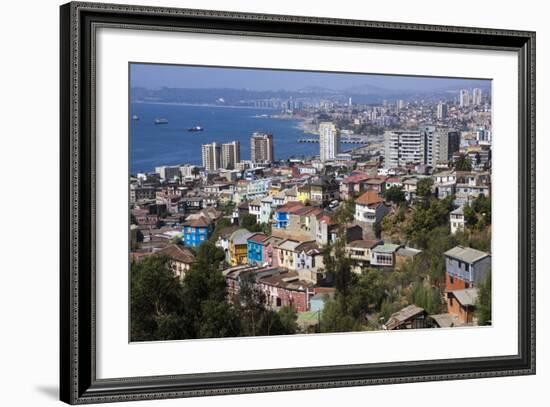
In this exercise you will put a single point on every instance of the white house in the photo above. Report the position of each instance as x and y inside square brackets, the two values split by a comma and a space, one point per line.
[266, 208]
[456, 219]
[370, 208]
[254, 208]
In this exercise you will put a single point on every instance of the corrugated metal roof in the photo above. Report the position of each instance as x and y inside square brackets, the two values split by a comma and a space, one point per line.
[466, 254]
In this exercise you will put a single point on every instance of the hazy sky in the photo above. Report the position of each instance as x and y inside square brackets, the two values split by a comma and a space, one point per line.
[179, 76]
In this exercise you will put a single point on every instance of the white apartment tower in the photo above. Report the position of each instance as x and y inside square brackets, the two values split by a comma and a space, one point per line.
[329, 141]
[211, 156]
[464, 98]
[402, 147]
[231, 155]
[261, 148]
[442, 110]
[476, 96]
[428, 146]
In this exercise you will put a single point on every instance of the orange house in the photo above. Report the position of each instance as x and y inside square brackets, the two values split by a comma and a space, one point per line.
[462, 303]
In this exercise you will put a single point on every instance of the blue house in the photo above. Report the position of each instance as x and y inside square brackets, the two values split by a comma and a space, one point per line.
[196, 231]
[465, 267]
[282, 215]
[255, 247]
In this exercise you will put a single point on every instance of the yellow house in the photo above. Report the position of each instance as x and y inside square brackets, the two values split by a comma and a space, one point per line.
[238, 252]
[303, 194]
[274, 189]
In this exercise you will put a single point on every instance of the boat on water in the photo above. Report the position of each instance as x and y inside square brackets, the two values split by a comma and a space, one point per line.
[161, 121]
[135, 117]
[195, 128]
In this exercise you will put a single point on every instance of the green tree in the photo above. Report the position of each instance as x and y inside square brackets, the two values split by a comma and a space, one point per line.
[424, 190]
[248, 221]
[483, 305]
[205, 293]
[369, 291]
[288, 318]
[429, 298]
[256, 319]
[395, 194]
[156, 300]
[335, 319]
[220, 224]
[463, 163]
[482, 206]
[344, 213]
[469, 215]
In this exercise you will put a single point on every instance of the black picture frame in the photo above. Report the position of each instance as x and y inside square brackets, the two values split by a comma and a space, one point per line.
[78, 382]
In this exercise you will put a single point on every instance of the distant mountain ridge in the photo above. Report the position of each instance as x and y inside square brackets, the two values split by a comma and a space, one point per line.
[363, 94]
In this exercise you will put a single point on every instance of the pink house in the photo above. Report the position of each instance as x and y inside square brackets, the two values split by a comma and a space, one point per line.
[269, 252]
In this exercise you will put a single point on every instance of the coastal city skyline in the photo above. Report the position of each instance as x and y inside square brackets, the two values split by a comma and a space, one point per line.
[255, 213]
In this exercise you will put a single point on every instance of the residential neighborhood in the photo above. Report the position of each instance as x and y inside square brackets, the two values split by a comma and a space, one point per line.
[394, 234]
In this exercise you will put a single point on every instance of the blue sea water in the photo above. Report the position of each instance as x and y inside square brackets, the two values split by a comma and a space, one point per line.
[153, 145]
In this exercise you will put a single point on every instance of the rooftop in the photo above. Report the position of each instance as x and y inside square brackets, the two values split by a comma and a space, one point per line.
[258, 238]
[402, 316]
[466, 297]
[178, 253]
[240, 236]
[458, 211]
[466, 254]
[365, 244]
[446, 320]
[369, 198]
[386, 248]
[289, 244]
[408, 251]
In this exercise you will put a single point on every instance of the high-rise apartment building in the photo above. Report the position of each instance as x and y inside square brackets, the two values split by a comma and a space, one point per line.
[446, 144]
[400, 104]
[261, 148]
[402, 147]
[211, 156]
[464, 98]
[231, 155]
[476, 96]
[442, 110]
[329, 141]
[428, 145]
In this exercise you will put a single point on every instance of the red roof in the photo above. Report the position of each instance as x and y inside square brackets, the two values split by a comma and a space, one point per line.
[178, 253]
[291, 207]
[258, 237]
[355, 178]
[202, 222]
[369, 198]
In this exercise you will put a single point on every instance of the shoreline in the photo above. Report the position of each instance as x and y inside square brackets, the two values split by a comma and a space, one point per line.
[199, 105]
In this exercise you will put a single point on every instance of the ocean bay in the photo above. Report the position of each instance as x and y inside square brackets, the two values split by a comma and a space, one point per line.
[153, 144]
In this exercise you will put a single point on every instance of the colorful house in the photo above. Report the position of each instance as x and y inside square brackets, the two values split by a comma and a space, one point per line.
[238, 247]
[255, 248]
[303, 193]
[269, 255]
[282, 215]
[196, 231]
[465, 267]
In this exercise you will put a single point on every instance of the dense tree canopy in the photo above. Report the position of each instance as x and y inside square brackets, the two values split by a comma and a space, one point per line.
[463, 163]
[483, 306]
[395, 194]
